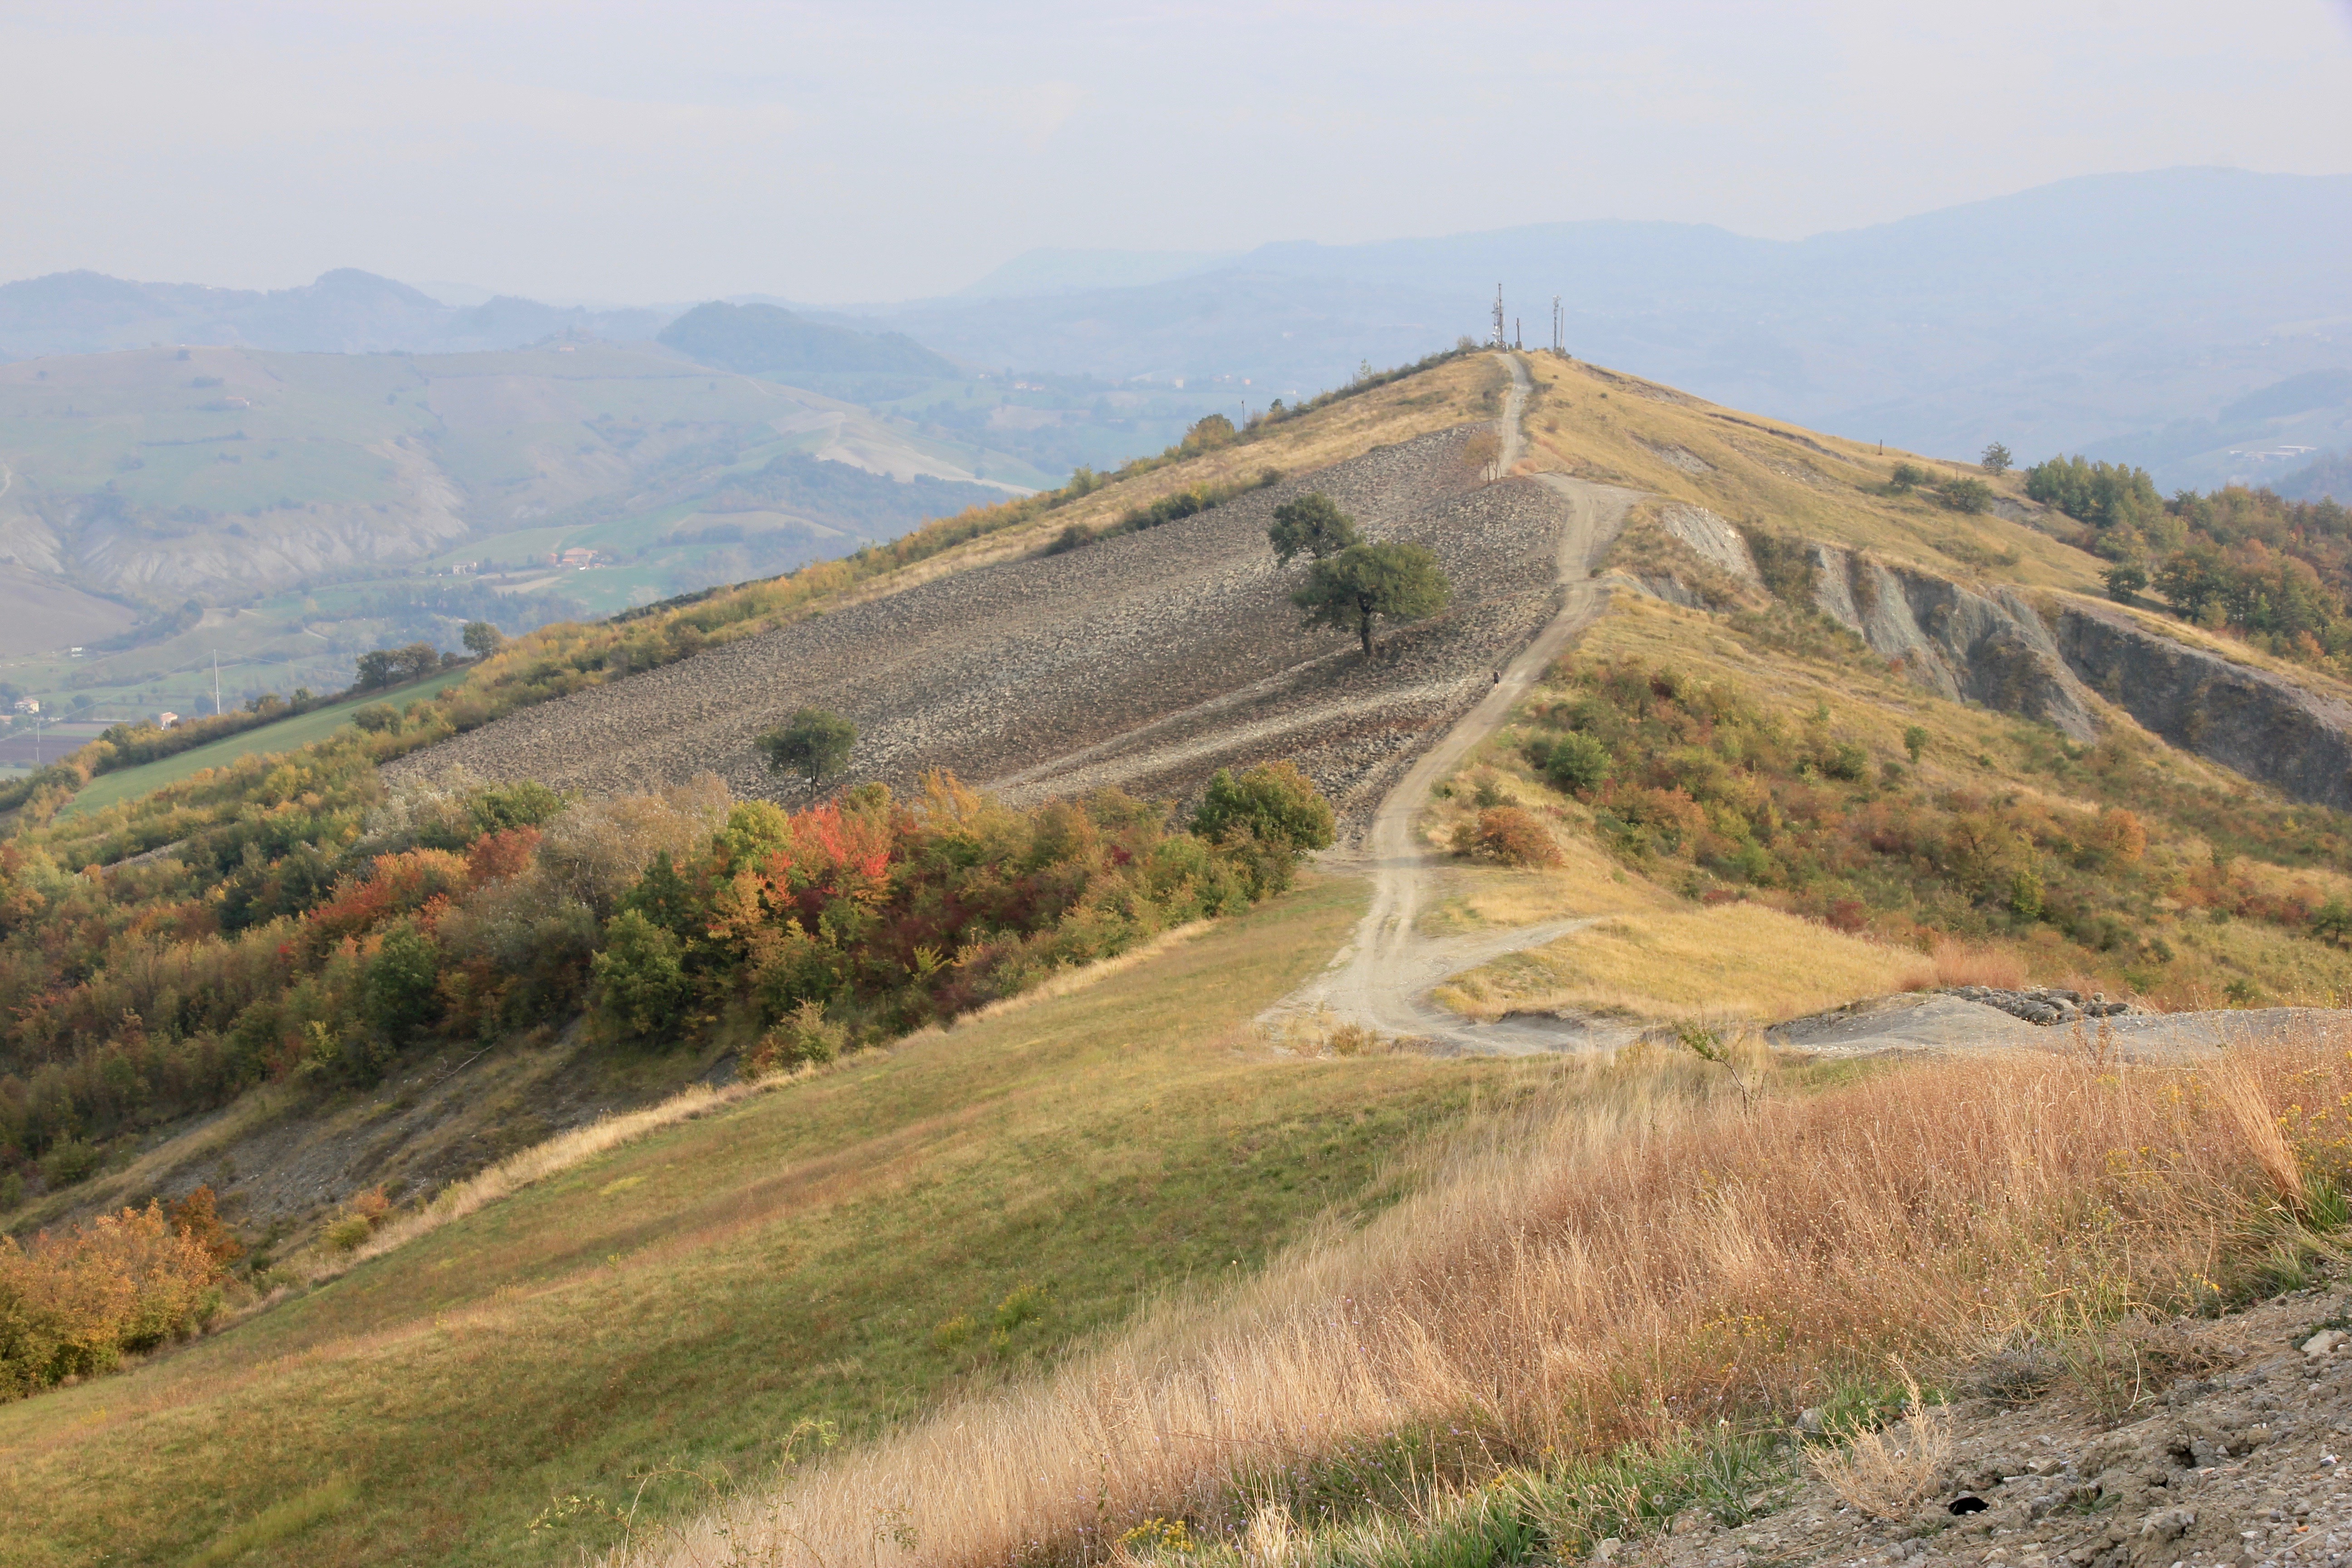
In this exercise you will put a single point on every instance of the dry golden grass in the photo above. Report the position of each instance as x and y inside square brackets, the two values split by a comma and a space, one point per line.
[1638, 1261]
[536, 1164]
[1594, 423]
[1741, 960]
[1881, 1476]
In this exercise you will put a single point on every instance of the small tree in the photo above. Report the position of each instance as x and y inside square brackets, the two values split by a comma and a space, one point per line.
[1997, 461]
[1313, 526]
[1915, 741]
[481, 638]
[2126, 581]
[1907, 475]
[1365, 581]
[814, 742]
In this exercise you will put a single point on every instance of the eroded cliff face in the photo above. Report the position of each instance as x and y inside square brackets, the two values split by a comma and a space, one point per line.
[1989, 645]
[2251, 721]
[1985, 648]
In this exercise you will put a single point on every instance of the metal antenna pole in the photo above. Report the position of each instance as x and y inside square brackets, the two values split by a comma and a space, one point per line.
[1498, 315]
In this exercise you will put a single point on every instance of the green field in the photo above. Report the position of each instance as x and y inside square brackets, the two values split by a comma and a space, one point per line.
[685, 1299]
[127, 784]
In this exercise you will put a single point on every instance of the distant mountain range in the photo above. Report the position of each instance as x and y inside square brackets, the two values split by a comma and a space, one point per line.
[2198, 321]
[2169, 316]
[345, 312]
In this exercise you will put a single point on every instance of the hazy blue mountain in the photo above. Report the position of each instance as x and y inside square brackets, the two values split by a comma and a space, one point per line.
[2106, 310]
[345, 312]
[1058, 271]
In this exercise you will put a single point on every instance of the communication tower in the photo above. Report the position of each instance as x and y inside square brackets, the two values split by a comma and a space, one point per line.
[1498, 316]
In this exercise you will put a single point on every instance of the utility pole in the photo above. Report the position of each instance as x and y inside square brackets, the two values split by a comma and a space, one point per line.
[1498, 315]
[1518, 341]
[215, 685]
[1558, 329]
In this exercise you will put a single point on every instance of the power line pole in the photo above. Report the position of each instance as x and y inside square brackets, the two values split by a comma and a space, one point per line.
[1558, 329]
[216, 684]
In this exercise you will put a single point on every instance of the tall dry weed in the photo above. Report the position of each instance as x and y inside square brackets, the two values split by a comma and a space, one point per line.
[1642, 1257]
[1881, 1476]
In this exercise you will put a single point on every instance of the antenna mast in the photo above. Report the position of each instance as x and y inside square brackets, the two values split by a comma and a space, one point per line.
[1558, 330]
[215, 685]
[1498, 315]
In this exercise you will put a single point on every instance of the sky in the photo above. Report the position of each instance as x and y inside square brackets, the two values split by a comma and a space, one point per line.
[893, 149]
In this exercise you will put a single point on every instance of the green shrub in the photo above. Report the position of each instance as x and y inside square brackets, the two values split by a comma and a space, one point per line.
[1278, 803]
[1906, 476]
[69, 1161]
[397, 995]
[640, 984]
[377, 718]
[804, 1036]
[1577, 763]
[1965, 495]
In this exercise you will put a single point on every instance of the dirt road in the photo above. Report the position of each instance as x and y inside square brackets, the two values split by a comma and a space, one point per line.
[1381, 979]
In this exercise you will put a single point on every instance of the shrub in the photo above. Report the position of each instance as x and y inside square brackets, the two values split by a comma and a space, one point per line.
[1907, 475]
[814, 742]
[1275, 801]
[804, 1036]
[1965, 495]
[72, 1303]
[397, 995]
[640, 984]
[69, 1161]
[1577, 763]
[1509, 835]
[377, 718]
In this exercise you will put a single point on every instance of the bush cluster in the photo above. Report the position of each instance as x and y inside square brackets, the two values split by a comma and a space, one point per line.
[73, 1303]
[322, 927]
[1698, 783]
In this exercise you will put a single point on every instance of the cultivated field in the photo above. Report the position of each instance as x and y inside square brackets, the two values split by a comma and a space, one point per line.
[1144, 662]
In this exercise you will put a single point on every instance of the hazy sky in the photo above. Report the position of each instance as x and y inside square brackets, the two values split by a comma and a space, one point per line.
[844, 153]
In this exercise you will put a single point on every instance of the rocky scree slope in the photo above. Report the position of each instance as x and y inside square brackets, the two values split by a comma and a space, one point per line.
[1145, 661]
[2234, 1465]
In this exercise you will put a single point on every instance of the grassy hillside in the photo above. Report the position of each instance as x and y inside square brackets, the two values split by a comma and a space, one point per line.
[808, 1255]
[938, 1253]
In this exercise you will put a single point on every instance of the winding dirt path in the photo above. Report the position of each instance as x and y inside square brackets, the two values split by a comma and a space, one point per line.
[1382, 978]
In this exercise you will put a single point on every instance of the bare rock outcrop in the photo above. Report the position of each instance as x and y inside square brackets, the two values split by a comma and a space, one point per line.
[1985, 647]
[2259, 724]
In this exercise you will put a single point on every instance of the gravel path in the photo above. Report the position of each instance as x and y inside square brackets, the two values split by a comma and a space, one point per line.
[1145, 662]
[1382, 978]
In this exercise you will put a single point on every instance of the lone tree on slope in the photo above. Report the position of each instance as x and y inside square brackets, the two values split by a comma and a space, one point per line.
[814, 742]
[1996, 459]
[1313, 525]
[1348, 591]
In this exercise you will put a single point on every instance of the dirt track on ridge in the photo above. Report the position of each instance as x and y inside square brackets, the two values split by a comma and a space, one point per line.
[1144, 662]
[1381, 979]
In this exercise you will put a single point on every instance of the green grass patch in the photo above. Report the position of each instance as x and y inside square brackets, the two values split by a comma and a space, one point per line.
[128, 783]
[686, 1301]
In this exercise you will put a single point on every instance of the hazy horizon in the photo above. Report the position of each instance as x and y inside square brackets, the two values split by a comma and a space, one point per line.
[904, 151]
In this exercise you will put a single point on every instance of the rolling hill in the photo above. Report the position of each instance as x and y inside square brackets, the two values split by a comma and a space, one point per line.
[1749, 759]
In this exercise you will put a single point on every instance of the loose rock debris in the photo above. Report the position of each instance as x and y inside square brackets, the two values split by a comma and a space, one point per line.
[2237, 1464]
